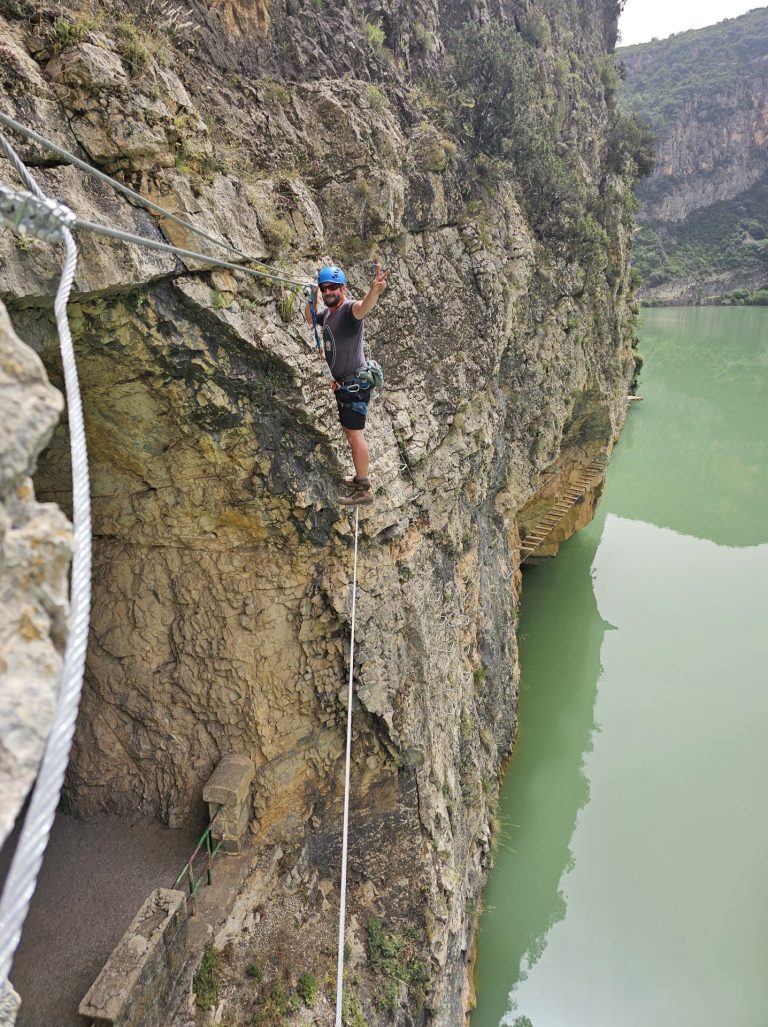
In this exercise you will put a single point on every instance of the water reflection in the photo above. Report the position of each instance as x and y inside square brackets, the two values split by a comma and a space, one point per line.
[661, 905]
[702, 428]
[540, 804]
[637, 899]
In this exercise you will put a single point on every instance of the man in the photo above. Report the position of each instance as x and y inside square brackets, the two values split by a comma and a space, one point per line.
[343, 340]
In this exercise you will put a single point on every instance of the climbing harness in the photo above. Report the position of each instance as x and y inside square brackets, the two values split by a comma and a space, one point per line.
[345, 826]
[34, 214]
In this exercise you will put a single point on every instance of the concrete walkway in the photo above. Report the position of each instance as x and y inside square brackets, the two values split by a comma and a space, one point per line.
[94, 878]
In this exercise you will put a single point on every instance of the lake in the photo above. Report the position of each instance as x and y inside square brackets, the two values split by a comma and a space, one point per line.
[631, 878]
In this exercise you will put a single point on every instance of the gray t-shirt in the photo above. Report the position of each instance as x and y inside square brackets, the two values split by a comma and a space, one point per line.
[343, 338]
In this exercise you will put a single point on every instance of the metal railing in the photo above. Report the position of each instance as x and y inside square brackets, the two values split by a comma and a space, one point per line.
[208, 851]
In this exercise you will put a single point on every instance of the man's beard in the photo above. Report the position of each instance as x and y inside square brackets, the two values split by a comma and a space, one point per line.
[333, 301]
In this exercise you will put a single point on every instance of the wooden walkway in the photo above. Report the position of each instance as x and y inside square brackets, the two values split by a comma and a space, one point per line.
[591, 474]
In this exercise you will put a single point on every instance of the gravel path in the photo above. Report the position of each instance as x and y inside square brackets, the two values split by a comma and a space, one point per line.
[94, 878]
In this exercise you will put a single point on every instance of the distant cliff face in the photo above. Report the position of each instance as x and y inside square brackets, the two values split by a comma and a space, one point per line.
[485, 168]
[703, 214]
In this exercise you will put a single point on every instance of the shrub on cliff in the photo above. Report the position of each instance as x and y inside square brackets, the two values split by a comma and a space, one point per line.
[498, 91]
[492, 89]
[631, 139]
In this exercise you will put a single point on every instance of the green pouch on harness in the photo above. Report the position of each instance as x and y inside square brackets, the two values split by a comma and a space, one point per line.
[371, 371]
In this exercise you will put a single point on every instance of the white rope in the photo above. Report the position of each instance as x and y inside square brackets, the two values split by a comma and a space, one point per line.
[345, 829]
[28, 857]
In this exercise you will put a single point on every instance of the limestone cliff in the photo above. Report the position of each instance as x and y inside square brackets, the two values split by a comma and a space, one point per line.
[703, 222]
[34, 558]
[222, 565]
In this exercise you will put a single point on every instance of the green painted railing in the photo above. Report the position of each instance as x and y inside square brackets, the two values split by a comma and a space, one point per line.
[208, 851]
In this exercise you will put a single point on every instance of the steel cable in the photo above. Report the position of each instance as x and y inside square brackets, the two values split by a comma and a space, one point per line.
[164, 247]
[35, 137]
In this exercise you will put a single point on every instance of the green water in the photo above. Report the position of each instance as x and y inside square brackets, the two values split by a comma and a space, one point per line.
[631, 879]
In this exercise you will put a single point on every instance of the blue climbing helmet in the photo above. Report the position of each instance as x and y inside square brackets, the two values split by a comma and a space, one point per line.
[331, 274]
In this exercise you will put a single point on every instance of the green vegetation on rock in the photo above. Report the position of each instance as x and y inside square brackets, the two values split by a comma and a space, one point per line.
[728, 236]
[205, 983]
[501, 93]
[394, 958]
[744, 298]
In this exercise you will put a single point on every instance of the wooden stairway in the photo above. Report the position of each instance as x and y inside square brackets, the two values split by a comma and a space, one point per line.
[543, 529]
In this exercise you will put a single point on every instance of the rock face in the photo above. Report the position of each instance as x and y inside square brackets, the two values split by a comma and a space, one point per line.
[35, 548]
[710, 154]
[703, 211]
[222, 563]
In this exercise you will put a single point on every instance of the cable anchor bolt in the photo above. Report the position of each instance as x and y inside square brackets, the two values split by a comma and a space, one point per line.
[27, 214]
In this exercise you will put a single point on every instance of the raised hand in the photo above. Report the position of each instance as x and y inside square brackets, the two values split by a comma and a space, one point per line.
[379, 283]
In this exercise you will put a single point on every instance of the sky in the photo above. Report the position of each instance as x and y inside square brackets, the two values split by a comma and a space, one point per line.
[644, 19]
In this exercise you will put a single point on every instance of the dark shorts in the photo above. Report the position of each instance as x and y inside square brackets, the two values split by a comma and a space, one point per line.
[352, 400]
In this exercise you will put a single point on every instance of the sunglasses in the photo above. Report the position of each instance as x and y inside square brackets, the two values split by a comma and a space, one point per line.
[329, 288]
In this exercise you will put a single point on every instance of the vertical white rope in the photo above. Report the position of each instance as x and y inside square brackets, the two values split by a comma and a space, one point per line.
[28, 857]
[345, 828]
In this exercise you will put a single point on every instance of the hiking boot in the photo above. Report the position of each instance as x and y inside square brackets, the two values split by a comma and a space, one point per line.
[360, 492]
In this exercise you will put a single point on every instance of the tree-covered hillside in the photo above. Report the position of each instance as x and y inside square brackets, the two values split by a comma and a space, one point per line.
[721, 240]
[666, 75]
[703, 232]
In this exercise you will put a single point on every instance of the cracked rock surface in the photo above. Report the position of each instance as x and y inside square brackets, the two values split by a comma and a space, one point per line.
[222, 564]
[35, 548]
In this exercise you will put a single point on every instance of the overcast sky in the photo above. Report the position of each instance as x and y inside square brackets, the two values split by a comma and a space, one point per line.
[644, 19]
